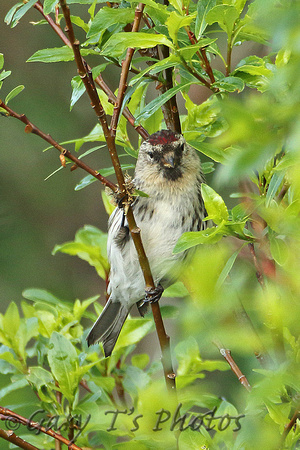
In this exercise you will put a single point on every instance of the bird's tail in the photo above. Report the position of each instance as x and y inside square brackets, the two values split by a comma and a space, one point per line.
[108, 326]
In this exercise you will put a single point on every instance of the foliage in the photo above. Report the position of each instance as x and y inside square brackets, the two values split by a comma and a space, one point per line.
[241, 288]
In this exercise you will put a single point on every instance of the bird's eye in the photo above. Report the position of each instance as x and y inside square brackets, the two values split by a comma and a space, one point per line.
[151, 154]
[181, 147]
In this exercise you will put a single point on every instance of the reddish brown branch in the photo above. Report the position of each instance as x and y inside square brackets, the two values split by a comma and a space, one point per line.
[234, 367]
[202, 56]
[290, 425]
[10, 436]
[6, 414]
[31, 128]
[124, 73]
[259, 274]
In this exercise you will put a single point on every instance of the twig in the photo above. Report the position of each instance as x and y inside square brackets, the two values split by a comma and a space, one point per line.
[6, 414]
[134, 230]
[99, 80]
[202, 56]
[234, 367]
[124, 73]
[31, 128]
[290, 425]
[259, 274]
[10, 436]
[170, 109]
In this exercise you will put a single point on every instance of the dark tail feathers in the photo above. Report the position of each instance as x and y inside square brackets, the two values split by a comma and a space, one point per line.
[108, 326]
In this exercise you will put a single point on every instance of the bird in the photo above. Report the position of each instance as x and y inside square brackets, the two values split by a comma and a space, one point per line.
[168, 170]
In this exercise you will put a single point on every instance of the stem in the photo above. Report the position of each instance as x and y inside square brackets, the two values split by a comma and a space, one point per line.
[31, 128]
[124, 73]
[234, 367]
[6, 414]
[170, 109]
[290, 425]
[10, 436]
[259, 274]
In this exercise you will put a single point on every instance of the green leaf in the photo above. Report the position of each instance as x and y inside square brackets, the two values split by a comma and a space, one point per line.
[140, 360]
[165, 63]
[109, 207]
[207, 167]
[11, 12]
[274, 185]
[4, 74]
[14, 93]
[157, 103]
[63, 362]
[224, 15]
[189, 51]
[176, 290]
[279, 250]
[12, 387]
[217, 154]
[1, 60]
[118, 43]
[65, 53]
[89, 179]
[15, 18]
[203, 7]
[228, 266]
[193, 238]
[11, 359]
[230, 84]
[133, 331]
[89, 245]
[175, 22]
[214, 204]
[43, 296]
[49, 6]
[11, 321]
[106, 17]
[43, 382]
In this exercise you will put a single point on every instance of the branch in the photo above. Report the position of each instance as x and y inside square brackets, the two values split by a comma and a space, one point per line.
[31, 128]
[290, 425]
[134, 230]
[234, 367]
[259, 274]
[170, 109]
[6, 414]
[124, 73]
[202, 56]
[10, 436]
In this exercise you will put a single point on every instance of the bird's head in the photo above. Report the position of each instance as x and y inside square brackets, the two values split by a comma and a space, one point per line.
[165, 157]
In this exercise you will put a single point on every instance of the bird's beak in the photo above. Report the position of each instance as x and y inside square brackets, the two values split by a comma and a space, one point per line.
[169, 161]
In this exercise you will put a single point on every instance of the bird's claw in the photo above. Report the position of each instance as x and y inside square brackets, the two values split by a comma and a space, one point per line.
[153, 295]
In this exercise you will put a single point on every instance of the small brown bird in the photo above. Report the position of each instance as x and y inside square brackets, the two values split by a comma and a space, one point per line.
[168, 170]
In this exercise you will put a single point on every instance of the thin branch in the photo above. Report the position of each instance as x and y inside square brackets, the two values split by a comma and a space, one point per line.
[259, 274]
[134, 230]
[6, 414]
[290, 425]
[234, 367]
[124, 73]
[31, 128]
[11, 437]
[202, 56]
[170, 109]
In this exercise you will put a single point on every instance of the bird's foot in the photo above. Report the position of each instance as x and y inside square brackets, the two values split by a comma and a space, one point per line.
[153, 295]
